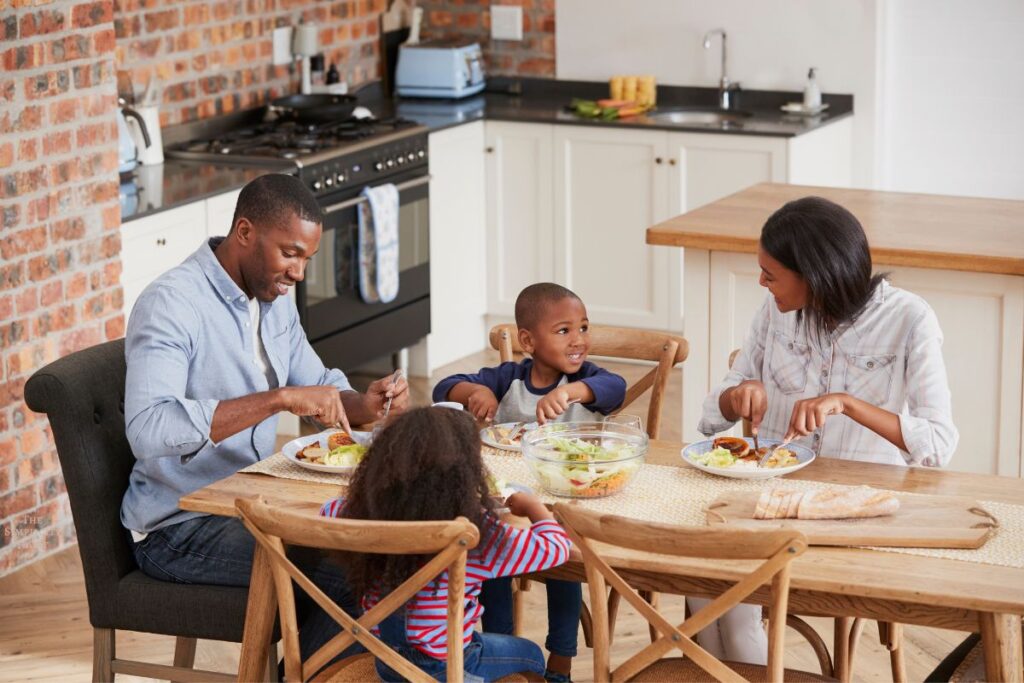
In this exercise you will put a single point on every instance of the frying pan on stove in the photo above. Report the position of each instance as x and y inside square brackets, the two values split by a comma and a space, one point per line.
[315, 108]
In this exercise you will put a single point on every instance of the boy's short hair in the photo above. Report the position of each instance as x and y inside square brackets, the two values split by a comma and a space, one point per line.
[532, 301]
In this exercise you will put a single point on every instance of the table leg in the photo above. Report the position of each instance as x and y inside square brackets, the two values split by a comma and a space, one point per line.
[841, 648]
[259, 620]
[1001, 638]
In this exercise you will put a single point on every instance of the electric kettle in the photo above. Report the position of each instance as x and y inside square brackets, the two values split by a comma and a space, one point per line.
[127, 151]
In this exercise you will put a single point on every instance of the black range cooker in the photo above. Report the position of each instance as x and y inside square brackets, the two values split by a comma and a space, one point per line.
[336, 161]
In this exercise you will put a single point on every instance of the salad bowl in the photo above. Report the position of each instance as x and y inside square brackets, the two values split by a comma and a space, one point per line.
[584, 459]
[700, 455]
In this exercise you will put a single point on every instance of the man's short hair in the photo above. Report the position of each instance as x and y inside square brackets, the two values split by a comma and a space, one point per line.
[532, 301]
[273, 198]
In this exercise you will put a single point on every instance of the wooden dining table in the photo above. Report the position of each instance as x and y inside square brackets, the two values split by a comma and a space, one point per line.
[826, 581]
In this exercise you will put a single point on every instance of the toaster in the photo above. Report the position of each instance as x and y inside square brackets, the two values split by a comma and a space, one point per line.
[440, 68]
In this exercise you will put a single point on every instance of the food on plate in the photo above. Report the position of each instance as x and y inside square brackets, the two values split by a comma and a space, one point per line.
[495, 485]
[735, 445]
[342, 451]
[722, 458]
[587, 469]
[828, 503]
[507, 435]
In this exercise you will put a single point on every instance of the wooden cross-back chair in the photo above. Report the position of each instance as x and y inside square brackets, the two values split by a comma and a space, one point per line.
[447, 541]
[847, 630]
[667, 350]
[776, 549]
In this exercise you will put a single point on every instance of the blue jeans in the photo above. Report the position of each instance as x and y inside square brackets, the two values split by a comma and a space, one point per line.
[565, 600]
[488, 657]
[218, 550]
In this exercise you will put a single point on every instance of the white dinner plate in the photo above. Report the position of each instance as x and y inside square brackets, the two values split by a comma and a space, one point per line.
[489, 439]
[292, 448]
[804, 455]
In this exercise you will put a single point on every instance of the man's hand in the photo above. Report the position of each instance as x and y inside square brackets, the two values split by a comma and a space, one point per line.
[747, 400]
[810, 413]
[553, 404]
[379, 391]
[322, 403]
[482, 403]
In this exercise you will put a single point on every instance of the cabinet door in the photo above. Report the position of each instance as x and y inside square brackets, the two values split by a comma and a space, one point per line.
[458, 245]
[154, 244]
[610, 186]
[707, 167]
[519, 211]
[219, 212]
[982, 318]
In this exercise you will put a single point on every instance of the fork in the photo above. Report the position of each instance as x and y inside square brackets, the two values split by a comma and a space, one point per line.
[771, 452]
[387, 406]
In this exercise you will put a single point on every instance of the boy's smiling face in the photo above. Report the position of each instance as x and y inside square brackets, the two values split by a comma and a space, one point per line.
[561, 339]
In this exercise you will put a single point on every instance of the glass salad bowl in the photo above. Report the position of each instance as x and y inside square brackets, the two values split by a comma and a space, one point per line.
[584, 459]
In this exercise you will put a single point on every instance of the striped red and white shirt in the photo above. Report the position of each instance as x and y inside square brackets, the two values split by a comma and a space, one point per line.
[507, 551]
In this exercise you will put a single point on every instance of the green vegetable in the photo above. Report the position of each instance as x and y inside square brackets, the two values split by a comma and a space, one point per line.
[345, 456]
[719, 457]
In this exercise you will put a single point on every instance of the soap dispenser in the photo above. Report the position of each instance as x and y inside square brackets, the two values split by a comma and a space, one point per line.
[812, 94]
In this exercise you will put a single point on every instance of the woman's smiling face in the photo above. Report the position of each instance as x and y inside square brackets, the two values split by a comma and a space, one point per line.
[788, 287]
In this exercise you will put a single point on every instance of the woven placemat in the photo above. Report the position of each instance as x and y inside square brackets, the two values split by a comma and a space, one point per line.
[679, 495]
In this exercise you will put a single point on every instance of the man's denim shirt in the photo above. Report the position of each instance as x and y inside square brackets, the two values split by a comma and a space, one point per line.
[189, 346]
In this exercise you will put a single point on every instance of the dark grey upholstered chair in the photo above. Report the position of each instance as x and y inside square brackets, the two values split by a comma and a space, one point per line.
[83, 396]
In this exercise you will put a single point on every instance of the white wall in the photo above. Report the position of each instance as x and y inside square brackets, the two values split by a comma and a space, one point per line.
[771, 45]
[953, 88]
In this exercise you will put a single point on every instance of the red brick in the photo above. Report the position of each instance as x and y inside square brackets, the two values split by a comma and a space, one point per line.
[79, 339]
[23, 242]
[28, 150]
[18, 501]
[29, 119]
[19, 555]
[112, 217]
[51, 487]
[6, 154]
[47, 84]
[21, 183]
[114, 328]
[11, 334]
[6, 307]
[56, 320]
[103, 42]
[8, 452]
[22, 57]
[68, 48]
[44, 21]
[112, 274]
[12, 275]
[57, 143]
[26, 300]
[50, 293]
[92, 14]
[77, 286]
[63, 111]
[68, 229]
[46, 266]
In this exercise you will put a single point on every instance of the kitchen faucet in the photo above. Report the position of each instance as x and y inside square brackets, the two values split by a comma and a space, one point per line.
[726, 88]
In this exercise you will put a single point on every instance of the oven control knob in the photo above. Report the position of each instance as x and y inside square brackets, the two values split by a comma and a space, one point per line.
[340, 178]
[378, 166]
[317, 186]
[411, 157]
[328, 181]
[391, 162]
[421, 154]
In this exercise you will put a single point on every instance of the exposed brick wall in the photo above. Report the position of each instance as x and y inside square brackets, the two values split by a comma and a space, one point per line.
[534, 55]
[214, 56]
[59, 240]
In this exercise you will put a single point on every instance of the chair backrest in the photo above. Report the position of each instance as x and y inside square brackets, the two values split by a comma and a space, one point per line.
[776, 547]
[82, 394]
[448, 542]
[667, 350]
[748, 429]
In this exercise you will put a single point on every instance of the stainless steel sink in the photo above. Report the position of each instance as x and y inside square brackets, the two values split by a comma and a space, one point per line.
[699, 117]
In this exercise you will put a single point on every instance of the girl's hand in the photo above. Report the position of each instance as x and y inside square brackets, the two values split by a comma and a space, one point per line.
[482, 404]
[810, 413]
[522, 504]
[553, 404]
[747, 400]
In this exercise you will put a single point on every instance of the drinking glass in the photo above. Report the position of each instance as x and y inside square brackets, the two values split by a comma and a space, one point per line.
[632, 421]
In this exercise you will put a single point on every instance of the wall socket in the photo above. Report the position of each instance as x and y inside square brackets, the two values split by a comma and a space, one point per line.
[506, 22]
[283, 46]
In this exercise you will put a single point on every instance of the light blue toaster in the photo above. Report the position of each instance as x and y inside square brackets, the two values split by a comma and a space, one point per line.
[440, 68]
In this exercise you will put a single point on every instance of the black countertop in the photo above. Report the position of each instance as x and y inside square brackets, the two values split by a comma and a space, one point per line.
[174, 183]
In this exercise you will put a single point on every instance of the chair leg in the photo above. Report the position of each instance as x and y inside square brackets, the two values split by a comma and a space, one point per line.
[184, 652]
[815, 641]
[890, 634]
[272, 664]
[613, 612]
[652, 599]
[102, 655]
[519, 585]
[587, 623]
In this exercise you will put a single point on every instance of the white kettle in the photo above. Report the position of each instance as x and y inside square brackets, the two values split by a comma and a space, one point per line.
[127, 149]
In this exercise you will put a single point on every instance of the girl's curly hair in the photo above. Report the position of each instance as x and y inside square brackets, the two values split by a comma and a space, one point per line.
[424, 466]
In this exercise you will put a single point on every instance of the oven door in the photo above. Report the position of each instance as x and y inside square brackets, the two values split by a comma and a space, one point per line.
[328, 299]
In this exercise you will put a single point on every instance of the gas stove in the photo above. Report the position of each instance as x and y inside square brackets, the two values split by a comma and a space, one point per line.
[327, 156]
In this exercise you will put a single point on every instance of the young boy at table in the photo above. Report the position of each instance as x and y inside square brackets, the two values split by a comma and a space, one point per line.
[556, 383]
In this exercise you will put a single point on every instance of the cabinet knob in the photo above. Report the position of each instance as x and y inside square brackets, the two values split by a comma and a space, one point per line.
[490, 150]
[658, 160]
[672, 162]
[160, 241]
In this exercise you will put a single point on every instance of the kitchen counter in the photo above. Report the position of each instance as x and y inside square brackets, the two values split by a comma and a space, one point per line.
[174, 183]
[923, 231]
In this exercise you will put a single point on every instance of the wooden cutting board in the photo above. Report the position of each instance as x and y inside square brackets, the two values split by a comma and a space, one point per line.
[921, 522]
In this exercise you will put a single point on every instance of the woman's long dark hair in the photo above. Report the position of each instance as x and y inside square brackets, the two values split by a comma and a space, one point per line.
[424, 466]
[825, 244]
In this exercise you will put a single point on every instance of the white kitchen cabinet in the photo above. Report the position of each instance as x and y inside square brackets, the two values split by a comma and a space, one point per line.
[458, 249]
[981, 316]
[610, 186]
[520, 237]
[220, 209]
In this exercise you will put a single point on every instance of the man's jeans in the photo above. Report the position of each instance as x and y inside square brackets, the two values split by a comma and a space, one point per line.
[218, 550]
[565, 600]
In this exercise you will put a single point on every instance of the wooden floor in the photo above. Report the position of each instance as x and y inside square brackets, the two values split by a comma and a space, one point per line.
[45, 633]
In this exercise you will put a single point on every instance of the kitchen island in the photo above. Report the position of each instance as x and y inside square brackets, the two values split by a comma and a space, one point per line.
[965, 256]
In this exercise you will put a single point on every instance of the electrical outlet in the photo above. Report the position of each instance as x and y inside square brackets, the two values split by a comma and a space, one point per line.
[506, 22]
[282, 46]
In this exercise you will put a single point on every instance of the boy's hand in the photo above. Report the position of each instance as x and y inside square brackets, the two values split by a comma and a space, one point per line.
[554, 404]
[482, 404]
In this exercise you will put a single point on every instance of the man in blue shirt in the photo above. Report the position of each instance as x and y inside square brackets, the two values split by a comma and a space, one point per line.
[215, 351]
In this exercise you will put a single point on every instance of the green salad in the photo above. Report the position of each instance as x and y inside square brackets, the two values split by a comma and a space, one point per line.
[345, 456]
[719, 457]
[598, 470]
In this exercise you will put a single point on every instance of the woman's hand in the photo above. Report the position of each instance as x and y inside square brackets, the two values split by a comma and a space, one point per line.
[810, 414]
[747, 400]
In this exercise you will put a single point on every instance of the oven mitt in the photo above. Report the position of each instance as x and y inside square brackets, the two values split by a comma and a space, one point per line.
[378, 244]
